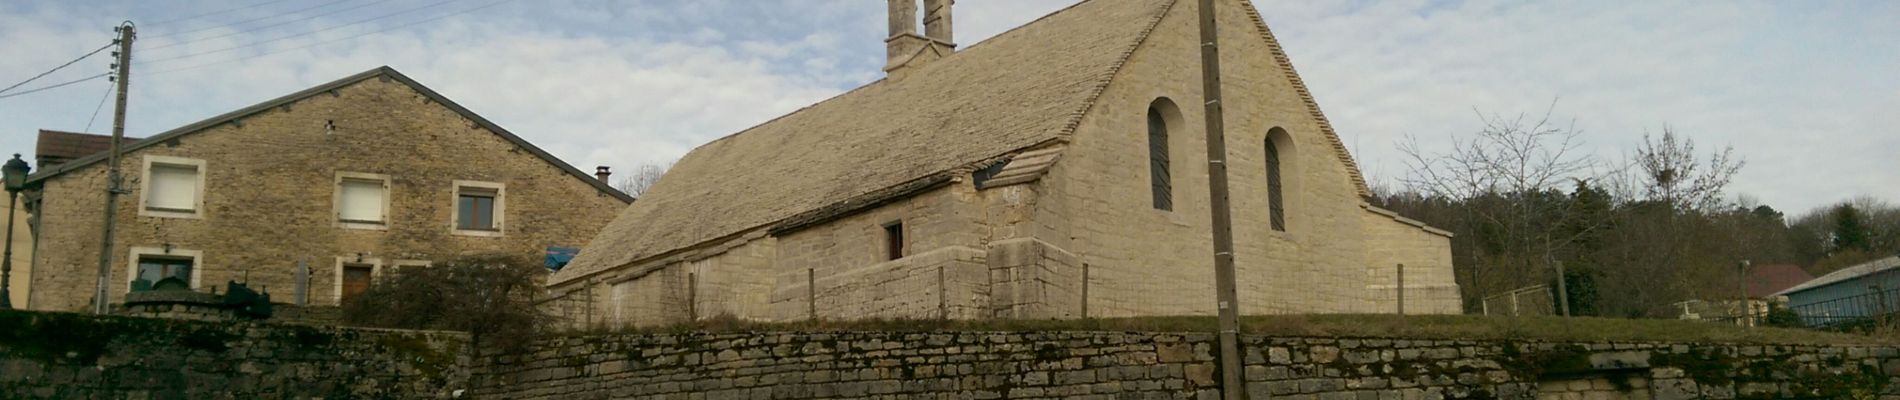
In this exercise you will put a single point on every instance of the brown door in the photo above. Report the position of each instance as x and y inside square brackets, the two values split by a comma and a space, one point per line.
[355, 281]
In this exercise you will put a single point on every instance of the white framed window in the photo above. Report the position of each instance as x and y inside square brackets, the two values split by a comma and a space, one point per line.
[150, 268]
[172, 187]
[362, 200]
[354, 275]
[480, 208]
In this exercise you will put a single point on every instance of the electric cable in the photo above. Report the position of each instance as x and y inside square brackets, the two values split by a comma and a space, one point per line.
[56, 69]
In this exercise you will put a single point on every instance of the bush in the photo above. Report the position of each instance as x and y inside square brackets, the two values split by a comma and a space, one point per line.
[489, 296]
[1780, 316]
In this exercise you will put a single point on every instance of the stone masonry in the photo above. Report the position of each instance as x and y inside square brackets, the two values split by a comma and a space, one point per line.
[1065, 227]
[73, 356]
[57, 355]
[268, 201]
[1107, 365]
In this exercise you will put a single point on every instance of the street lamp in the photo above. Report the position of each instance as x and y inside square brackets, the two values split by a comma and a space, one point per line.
[15, 171]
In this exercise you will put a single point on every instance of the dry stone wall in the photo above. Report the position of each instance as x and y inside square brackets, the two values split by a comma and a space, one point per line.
[73, 356]
[60, 356]
[994, 365]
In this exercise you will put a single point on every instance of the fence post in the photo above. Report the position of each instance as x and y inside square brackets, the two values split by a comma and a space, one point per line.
[692, 297]
[1401, 290]
[811, 293]
[943, 297]
[1085, 290]
[1563, 290]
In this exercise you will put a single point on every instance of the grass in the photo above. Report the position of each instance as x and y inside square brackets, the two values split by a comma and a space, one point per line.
[1334, 325]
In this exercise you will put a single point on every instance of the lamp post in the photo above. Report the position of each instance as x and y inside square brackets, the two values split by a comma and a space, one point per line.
[15, 173]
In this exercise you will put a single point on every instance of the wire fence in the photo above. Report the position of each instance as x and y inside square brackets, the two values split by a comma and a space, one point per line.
[965, 286]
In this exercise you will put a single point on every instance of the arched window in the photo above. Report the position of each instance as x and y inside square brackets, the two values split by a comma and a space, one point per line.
[1278, 147]
[1158, 171]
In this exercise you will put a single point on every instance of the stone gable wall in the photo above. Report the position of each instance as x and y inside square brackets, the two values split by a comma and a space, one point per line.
[1145, 261]
[270, 180]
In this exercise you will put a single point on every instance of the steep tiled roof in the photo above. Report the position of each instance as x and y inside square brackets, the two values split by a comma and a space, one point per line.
[1019, 90]
[1765, 280]
[60, 146]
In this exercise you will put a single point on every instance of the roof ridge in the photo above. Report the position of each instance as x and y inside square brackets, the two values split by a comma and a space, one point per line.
[886, 77]
[382, 71]
[1306, 96]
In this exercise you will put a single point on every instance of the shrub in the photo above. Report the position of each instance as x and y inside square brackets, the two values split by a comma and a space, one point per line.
[489, 296]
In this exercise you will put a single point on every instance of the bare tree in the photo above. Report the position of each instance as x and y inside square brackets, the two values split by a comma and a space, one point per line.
[642, 178]
[1508, 178]
[1675, 175]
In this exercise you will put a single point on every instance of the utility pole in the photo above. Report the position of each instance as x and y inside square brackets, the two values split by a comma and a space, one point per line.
[124, 78]
[1232, 388]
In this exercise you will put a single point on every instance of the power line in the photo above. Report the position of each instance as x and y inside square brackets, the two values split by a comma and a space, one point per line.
[55, 86]
[101, 106]
[261, 28]
[217, 12]
[55, 69]
[406, 25]
[430, 5]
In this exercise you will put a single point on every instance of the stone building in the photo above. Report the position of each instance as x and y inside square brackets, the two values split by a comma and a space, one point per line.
[1056, 170]
[349, 178]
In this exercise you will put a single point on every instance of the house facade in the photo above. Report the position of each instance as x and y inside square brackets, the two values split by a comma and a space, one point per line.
[1057, 170]
[348, 179]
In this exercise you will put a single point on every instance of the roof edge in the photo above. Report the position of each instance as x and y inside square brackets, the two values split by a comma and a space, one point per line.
[266, 105]
[1306, 96]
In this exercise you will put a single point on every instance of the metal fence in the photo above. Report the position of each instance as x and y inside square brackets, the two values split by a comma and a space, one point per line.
[1866, 310]
[1526, 301]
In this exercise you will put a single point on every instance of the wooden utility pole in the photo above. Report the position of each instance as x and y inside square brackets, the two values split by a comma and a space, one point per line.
[1232, 387]
[124, 79]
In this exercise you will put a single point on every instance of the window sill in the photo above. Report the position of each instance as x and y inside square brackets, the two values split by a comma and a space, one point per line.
[477, 232]
[169, 213]
[369, 226]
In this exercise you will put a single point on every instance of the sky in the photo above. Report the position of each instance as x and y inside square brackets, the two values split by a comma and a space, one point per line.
[1805, 92]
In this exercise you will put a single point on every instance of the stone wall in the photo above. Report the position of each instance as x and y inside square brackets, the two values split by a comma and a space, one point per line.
[990, 365]
[58, 356]
[72, 356]
[268, 202]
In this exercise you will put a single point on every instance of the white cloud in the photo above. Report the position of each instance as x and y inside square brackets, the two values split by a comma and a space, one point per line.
[1804, 91]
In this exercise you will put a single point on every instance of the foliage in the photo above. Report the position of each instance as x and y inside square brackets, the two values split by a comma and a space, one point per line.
[642, 178]
[1781, 316]
[489, 296]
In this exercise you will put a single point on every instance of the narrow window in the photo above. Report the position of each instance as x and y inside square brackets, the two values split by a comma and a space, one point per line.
[476, 209]
[356, 280]
[162, 273]
[1274, 188]
[894, 240]
[360, 201]
[1158, 171]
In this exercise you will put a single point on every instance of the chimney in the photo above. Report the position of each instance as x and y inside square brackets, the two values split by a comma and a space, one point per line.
[601, 173]
[907, 50]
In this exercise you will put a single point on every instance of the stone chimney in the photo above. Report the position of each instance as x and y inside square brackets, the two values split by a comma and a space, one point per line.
[602, 173]
[906, 50]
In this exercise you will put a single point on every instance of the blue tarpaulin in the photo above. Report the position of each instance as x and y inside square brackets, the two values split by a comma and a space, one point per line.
[558, 257]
